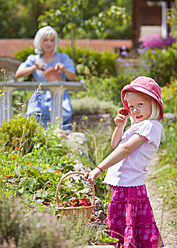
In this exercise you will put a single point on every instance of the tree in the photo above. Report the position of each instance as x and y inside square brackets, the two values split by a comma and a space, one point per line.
[19, 18]
[172, 20]
[69, 19]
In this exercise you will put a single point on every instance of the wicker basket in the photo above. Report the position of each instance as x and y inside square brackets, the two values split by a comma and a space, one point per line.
[83, 212]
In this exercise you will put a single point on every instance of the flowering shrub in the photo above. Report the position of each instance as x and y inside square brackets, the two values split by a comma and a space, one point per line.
[161, 64]
[169, 96]
[155, 41]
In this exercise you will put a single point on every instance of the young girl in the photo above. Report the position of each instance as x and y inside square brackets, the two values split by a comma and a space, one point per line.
[130, 216]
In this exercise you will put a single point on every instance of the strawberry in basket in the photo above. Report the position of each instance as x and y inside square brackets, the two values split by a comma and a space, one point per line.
[84, 202]
[75, 202]
[88, 203]
[66, 204]
[77, 206]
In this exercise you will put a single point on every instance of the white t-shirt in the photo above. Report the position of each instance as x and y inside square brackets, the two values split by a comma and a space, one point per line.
[131, 170]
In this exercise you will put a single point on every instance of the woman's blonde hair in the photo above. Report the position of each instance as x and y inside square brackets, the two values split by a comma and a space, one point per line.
[40, 35]
[155, 113]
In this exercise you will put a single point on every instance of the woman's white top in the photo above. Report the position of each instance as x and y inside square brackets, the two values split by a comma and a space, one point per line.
[131, 170]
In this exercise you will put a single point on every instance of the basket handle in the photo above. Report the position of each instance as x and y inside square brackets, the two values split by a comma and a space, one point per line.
[68, 174]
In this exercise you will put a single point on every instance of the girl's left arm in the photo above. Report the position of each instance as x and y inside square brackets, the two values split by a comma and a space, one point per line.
[121, 152]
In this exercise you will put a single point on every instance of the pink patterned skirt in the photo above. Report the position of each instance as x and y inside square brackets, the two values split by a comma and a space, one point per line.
[130, 219]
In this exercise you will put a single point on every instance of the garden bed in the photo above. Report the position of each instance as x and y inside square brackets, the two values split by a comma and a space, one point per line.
[93, 121]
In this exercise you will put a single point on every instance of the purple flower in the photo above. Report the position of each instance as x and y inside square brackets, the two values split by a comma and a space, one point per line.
[124, 53]
[82, 81]
[123, 48]
[155, 41]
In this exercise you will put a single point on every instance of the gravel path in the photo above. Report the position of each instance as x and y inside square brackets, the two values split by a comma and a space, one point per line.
[163, 216]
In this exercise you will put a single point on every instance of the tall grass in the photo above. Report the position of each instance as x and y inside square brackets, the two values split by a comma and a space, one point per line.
[166, 168]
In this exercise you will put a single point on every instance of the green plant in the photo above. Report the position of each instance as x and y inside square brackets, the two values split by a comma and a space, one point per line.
[172, 21]
[93, 152]
[87, 61]
[94, 63]
[11, 211]
[44, 231]
[169, 96]
[38, 229]
[19, 133]
[73, 14]
[24, 53]
[104, 89]
[91, 105]
[20, 100]
[161, 64]
[166, 169]
[34, 175]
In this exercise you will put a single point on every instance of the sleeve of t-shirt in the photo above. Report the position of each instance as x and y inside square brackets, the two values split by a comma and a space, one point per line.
[151, 130]
[29, 62]
[68, 63]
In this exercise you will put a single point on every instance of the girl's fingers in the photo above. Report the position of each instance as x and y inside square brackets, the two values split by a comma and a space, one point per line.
[86, 175]
[120, 118]
[89, 178]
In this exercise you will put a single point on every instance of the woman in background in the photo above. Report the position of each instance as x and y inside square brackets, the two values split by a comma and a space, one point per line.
[46, 44]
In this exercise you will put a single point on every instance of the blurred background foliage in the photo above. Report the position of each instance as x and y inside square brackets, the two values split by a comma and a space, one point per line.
[25, 15]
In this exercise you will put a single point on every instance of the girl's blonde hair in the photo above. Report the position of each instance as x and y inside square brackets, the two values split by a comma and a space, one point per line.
[155, 113]
[40, 35]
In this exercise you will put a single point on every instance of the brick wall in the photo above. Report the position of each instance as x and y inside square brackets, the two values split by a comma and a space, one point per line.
[10, 66]
[8, 47]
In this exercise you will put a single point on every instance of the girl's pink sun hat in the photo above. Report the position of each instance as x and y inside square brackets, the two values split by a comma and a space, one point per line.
[147, 86]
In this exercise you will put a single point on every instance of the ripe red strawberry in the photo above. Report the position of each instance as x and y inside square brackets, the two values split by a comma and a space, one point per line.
[124, 111]
[85, 202]
[81, 203]
[75, 199]
[88, 203]
[66, 204]
[83, 198]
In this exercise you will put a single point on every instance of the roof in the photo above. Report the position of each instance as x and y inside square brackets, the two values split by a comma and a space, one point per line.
[8, 47]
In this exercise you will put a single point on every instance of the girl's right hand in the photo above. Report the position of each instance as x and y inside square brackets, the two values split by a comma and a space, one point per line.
[90, 176]
[121, 119]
